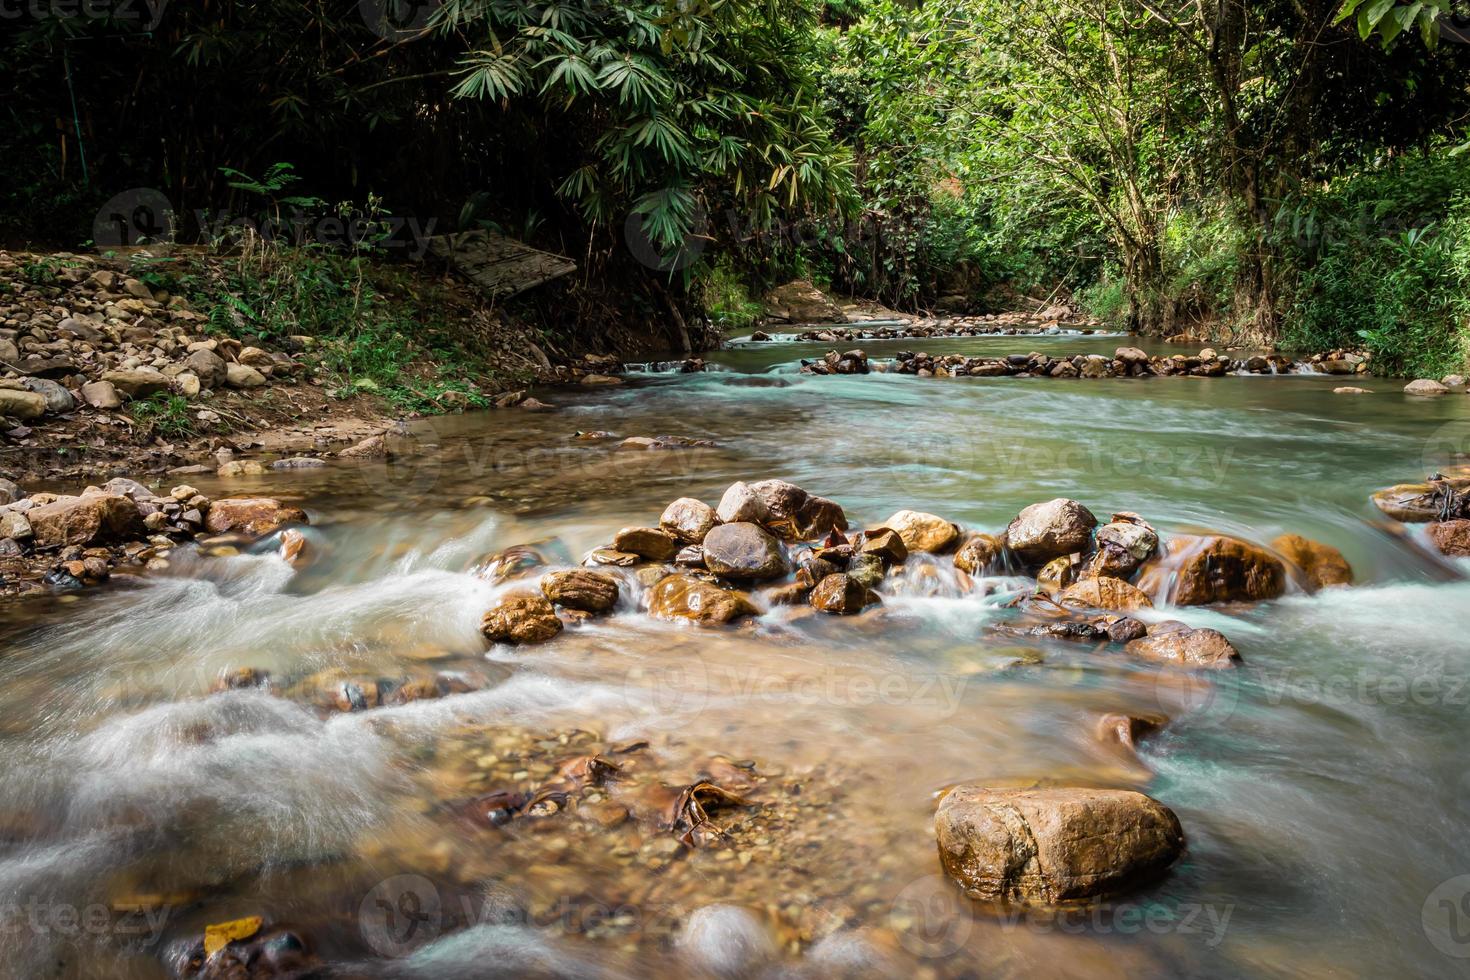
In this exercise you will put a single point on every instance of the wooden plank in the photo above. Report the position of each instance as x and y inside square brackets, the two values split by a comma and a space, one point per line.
[500, 267]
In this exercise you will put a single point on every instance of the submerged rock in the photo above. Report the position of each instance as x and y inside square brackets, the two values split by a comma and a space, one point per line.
[521, 617]
[1417, 503]
[251, 515]
[1127, 730]
[580, 589]
[1321, 564]
[1174, 643]
[1105, 593]
[978, 552]
[1049, 530]
[743, 550]
[1051, 846]
[683, 597]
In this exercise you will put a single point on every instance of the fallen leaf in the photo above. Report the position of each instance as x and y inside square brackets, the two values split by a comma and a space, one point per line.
[221, 934]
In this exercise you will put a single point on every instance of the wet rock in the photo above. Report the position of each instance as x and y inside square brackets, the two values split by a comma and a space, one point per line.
[101, 395]
[1105, 593]
[94, 517]
[137, 382]
[1424, 386]
[790, 594]
[646, 542]
[923, 532]
[1350, 390]
[1123, 544]
[819, 516]
[885, 544]
[839, 594]
[690, 557]
[866, 570]
[1127, 730]
[1217, 569]
[1450, 537]
[740, 504]
[1178, 644]
[978, 552]
[609, 556]
[578, 589]
[1054, 845]
[682, 597]
[727, 941]
[21, 404]
[373, 447]
[1049, 530]
[1056, 575]
[743, 550]
[1126, 630]
[688, 520]
[1415, 503]
[783, 503]
[513, 562]
[251, 515]
[1322, 564]
[521, 617]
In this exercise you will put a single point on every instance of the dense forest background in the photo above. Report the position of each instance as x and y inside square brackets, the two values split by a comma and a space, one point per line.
[1286, 171]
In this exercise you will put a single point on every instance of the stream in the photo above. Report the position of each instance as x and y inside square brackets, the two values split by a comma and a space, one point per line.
[1320, 785]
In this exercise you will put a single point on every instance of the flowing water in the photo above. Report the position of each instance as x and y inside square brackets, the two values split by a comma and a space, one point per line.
[1321, 785]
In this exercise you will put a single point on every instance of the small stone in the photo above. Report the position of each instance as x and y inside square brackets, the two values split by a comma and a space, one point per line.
[923, 532]
[521, 617]
[839, 595]
[688, 520]
[580, 589]
[1177, 644]
[243, 376]
[101, 395]
[647, 542]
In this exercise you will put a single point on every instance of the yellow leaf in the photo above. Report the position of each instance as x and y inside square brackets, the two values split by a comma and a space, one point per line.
[221, 934]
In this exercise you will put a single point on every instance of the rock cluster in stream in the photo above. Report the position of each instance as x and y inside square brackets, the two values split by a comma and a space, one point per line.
[1442, 503]
[1126, 362]
[772, 543]
[68, 541]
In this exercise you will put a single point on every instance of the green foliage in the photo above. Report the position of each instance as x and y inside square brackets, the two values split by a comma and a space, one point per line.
[164, 415]
[727, 300]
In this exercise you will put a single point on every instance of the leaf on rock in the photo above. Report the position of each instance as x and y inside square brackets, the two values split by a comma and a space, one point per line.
[221, 934]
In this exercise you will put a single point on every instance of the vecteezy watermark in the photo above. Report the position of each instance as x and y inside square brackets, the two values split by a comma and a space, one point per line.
[398, 21]
[1448, 446]
[148, 12]
[142, 927]
[138, 216]
[1445, 917]
[400, 914]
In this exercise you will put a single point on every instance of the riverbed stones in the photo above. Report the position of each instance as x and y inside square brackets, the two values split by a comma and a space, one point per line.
[593, 592]
[741, 504]
[251, 515]
[1174, 643]
[207, 366]
[885, 544]
[92, 517]
[1050, 846]
[137, 382]
[1123, 544]
[1321, 564]
[1105, 593]
[245, 376]
[521, 618]
[978, 552]
[839, 595]
[1051, 529]
[1218, 568]
[58, 400]
[646, 542]
[21, 404]
[688, 520]
[680, 596]
[15, 525]
[101, 395]
[923, 532]
[1425, 386]
[1451, 538]
[743, 551]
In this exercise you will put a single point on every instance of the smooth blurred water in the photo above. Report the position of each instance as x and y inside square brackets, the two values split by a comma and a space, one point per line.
[1320, 785]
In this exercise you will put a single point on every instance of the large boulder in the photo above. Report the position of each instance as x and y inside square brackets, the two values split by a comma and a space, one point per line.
[1321, 564]
[688, 520]
[1049, 530]
[1215, 568]
[1451, 537]
[1053, 845]
[1174, 643]
[1105, 593]
[646, 542]
[1425, 386]
[783, 507]
[251, 515]
[923, 532]
[680, 596]
[745, 551]
[521, 617]
[593, 592]
[92, 517]
[801, 302]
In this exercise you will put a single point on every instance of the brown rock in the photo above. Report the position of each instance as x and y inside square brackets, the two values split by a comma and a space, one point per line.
[1123, 544]
[1215, 569]
[1049, 846]
[886, 544]
[1056, 575]
[688, 520]
[101, 395]
[1417, 503]
[1322, 564]
[799, 301]
[251, 515]
[839, 595]
[137, 382]
[923, 532]
[1451, 537]
[790, 594]
[1126, 630]
[1105, 593]
[93, 517]
[1177, 644]
[1049, 530]
[978, 552]
[1127, 730]
[521, 617]
[741, 503]
[579, 589]
[682, 597]
[646, 542]
[820, 516]
[21, 404]
[743, 550]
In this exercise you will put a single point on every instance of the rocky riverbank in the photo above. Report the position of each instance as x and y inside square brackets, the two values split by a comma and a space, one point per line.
[1126, 362]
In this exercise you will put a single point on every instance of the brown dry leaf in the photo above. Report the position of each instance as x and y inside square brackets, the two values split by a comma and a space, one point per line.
[689, 815]
[221, 934]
